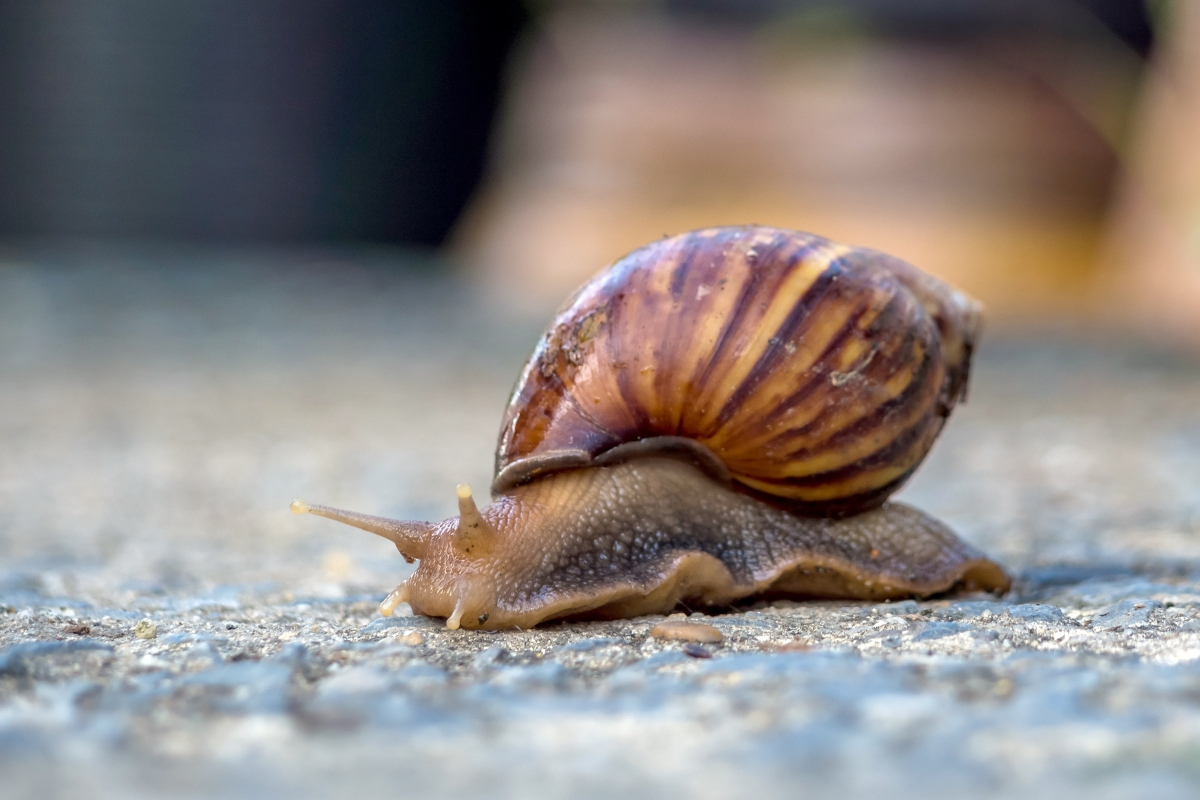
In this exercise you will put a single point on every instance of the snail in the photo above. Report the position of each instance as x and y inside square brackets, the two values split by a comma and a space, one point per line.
[716, 416]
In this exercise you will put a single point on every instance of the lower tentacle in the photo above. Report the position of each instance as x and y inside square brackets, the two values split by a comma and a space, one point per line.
[398, 595]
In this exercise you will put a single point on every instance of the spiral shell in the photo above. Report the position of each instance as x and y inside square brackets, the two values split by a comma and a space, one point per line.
[818, 374]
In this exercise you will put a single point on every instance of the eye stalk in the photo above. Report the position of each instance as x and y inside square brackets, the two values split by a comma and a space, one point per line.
[474, 537]
[410, 537]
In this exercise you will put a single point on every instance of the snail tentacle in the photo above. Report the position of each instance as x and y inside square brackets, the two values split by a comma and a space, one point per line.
[410, 536]
[398, 595]
[460, 607]
[473, 535]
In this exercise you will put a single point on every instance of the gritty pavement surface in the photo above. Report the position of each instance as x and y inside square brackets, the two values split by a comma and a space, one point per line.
[168, 628]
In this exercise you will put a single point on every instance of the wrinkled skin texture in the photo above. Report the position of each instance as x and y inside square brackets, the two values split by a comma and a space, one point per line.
[647, 535]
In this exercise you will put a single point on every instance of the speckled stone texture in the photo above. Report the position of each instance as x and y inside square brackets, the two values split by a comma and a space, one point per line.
[159, 409]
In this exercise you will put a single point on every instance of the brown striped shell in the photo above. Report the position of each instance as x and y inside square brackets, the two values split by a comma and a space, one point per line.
[818, 374]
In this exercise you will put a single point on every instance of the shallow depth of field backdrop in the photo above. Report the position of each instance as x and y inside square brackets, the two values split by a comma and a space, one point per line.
[262, 249]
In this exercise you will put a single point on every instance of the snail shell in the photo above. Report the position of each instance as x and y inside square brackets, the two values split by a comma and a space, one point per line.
[818, 374]
[718, 415]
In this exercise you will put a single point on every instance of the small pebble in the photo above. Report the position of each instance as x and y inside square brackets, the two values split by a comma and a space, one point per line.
[687, 632]
[145, 629]
[79, 629]
[696, 650]
[413, 638]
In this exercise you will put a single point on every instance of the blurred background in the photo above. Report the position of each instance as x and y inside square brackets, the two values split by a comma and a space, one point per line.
[259, 249]
[253, 250]
[1039, 153]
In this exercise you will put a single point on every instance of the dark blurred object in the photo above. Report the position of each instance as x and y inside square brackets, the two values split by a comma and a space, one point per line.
[252, 120]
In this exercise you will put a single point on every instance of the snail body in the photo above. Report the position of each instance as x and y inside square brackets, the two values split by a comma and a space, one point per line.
[718, 415]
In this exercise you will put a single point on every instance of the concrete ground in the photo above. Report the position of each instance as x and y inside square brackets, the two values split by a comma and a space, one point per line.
[159, 409]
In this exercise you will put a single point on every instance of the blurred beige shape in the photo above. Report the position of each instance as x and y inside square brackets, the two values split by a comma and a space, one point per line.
[337, 565]
[623, 129]
[1155, 243]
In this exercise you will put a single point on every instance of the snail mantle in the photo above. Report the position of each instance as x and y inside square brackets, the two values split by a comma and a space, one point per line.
[716, 416]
